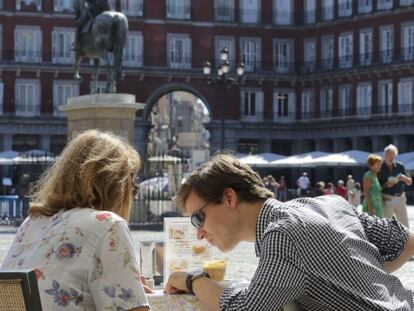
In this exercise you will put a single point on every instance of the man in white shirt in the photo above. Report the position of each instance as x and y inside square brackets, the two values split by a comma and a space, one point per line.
[303, 183]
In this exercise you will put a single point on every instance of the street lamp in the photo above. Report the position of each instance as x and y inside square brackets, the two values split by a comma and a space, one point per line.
[225, 81]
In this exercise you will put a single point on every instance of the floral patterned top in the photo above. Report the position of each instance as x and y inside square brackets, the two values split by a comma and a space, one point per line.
[84, 260]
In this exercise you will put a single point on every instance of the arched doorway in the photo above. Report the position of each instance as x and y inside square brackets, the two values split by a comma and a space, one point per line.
[178, 117]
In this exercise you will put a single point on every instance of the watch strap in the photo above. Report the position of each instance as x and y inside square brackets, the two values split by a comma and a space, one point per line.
[191, 278]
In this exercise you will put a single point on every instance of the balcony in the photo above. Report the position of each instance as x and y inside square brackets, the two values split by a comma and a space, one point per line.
[27, 111]
[29, 5]
[224, 14]
[178, 12]
[63, 6]
[190, 65]
[63, 57]
[25, 56]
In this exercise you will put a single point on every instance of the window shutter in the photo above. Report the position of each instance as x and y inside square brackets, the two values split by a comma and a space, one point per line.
[1, 97]
[17, 44]
[187, 52]
[38, 45]
[54, 46]
[140, 50]
[292, 104]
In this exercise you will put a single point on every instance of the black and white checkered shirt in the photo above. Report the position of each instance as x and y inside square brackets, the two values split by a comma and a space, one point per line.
[325, 255]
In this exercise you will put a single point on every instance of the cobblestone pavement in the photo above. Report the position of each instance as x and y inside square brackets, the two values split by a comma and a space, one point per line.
[241, 261]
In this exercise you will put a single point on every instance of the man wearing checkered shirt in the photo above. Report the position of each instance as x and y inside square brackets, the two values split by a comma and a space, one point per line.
[319, 252]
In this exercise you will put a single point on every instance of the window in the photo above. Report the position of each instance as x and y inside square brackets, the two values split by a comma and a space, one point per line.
[328, 52]
[62, 90]
[344, 108]
[132, 7]
[309, 55]
[29, 5]
[310, 11]
[224, 10]
[250, 11]
[326, 102]
[283, 12]
[386, 43]
[344, 8]
[62, 39]
[219, 44]
[406, 2]
[308, 104]
[365, 47]
[100, 88]
[133, 49]
[27, 99]
[345, 50]
[327, 9]
[248, 146]
[178, 9]
[384, 4]
[385, 96]
[63, 6]
[179, 51]
[407, 42]
[405, 95]
[284, 103]
[364, 102]
[1, 39]
[250, 53]
[28, 44]
[251, 106]
[283, 55]
[1, 97]
[364, 6]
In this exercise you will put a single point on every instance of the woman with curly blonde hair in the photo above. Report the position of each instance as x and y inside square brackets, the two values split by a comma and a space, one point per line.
[76, 236]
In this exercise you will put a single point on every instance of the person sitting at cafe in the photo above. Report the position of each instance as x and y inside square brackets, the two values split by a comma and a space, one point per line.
[394, 179]
[320, 252]
[76, 236]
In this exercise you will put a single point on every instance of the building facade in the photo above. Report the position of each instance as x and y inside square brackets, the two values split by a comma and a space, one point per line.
[328, 75]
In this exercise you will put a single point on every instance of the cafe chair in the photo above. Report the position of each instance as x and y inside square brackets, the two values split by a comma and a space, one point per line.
[19, 291]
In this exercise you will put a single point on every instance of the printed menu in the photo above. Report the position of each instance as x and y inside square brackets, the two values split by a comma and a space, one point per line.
[182, 250]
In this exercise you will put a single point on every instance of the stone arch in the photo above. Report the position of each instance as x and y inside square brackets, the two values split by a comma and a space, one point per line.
[144, 125]
[172, 87]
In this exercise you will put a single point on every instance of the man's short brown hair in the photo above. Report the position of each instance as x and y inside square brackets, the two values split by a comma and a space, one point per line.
[221, 172]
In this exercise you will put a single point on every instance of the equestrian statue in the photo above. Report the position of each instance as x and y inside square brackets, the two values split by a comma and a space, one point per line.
[99, 32]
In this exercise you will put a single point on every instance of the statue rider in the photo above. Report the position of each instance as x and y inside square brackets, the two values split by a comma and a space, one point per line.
[93, 9]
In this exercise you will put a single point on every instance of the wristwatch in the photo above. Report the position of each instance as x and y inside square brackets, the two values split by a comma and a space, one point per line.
[192, 277]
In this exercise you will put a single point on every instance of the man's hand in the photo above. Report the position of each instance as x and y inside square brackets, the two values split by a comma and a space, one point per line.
[405, 179]
[176, 283]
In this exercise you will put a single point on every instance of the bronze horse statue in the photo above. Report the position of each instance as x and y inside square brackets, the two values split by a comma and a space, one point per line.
[104, 34]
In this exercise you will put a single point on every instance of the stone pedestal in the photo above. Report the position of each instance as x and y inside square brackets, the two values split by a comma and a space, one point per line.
[108, 112]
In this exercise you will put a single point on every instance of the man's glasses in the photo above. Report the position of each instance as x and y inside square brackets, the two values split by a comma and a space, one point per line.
[197, 217]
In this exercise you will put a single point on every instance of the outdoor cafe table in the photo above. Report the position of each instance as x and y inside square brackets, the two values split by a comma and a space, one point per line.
[160, 301]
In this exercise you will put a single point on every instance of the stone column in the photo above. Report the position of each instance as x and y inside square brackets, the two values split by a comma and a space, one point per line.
[401, 142]
[108, 112]
[376, 146]
[45, 143]
[7, 142]
[266, 145]
[339, 145]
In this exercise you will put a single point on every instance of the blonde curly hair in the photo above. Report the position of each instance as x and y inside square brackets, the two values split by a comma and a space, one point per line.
[95, 170]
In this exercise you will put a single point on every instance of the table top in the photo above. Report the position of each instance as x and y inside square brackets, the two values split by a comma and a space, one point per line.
[160, 301]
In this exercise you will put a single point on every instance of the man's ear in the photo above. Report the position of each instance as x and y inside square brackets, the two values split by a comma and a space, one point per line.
[230, 197]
